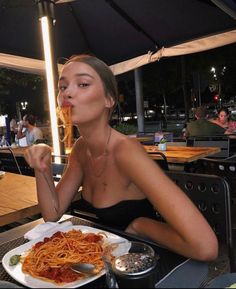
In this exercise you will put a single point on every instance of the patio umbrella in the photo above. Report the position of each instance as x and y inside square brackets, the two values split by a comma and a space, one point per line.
[115, 30]
[126, 34]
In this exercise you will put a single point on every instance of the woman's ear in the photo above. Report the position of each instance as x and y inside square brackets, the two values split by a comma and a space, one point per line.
[109, 102]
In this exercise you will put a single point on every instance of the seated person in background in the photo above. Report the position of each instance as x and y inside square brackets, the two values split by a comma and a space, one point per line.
[223, 120]
[123, 185]
[28, 129]
[13, 129]
[202, 126]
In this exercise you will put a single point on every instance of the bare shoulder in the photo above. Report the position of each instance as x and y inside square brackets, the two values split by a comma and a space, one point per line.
[124, 143]
[126, 148]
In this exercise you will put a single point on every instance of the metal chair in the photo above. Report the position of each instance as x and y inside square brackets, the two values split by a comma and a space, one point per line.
[224, 168]
[58, 170]
[163, 163]
[221, 141]
[211, 194]
[10, 162]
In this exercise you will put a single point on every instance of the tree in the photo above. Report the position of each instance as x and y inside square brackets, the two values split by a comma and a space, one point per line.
[16, 86]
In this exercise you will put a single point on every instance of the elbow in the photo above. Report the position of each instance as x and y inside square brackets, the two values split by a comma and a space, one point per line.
[50, 217]
[207, 250]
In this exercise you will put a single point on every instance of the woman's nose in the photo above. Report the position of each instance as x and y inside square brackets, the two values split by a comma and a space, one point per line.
[67, 93]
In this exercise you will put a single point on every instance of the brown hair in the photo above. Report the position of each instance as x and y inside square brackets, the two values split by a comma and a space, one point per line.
[201, 112]
[30, 118]
[104, 72]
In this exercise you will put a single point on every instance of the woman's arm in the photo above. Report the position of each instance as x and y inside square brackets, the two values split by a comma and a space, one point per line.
[53, 201]
[20, 134]
[185, 226]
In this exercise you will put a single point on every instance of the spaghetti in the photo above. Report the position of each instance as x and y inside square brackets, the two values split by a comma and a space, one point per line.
[51, 259]
[64, 114]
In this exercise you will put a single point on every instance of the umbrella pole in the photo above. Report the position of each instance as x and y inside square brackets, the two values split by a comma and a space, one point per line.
[139, 99]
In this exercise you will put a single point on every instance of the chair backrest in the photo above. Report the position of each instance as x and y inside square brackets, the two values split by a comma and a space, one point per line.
[11, 162]
[223, 168]
[177, 143]
[211, 195]
[163, 163]
[7, 163]
[58, 170]
[222, 142]
[24, 166]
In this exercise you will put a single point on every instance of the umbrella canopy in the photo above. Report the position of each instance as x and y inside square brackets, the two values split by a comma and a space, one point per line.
[114, 30]
[125, 34]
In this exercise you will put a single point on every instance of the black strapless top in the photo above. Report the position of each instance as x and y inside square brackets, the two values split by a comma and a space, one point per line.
[121, 214]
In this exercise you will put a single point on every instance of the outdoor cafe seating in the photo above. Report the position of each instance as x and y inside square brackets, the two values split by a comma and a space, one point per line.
[173, 270]
[225, 168]
[226, 143]
[9, 162]
[12, 160]
[211, 194]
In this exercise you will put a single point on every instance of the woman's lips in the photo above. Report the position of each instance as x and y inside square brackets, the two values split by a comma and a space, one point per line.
[66, 103]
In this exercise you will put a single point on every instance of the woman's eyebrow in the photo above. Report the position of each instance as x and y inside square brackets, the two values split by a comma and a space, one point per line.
[77, 75]
[83, 74]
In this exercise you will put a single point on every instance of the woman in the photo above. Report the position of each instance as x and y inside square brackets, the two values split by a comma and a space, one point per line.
[119, 179]
[223, 120]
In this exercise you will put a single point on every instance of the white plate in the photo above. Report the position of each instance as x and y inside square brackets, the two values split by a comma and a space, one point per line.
[2, 174]
[27, 280]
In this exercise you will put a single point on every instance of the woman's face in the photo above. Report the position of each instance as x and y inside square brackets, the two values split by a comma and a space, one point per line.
[81, 87]
[223, 117]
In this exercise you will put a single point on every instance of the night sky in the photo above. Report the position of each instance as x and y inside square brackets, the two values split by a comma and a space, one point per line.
[163, 77]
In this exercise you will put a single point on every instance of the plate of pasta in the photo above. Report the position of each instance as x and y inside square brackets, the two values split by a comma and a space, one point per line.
[45, 262]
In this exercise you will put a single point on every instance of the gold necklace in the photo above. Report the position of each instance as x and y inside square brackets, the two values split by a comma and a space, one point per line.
[104, 155]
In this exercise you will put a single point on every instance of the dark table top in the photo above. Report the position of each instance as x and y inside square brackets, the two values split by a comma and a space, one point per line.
[167, 262]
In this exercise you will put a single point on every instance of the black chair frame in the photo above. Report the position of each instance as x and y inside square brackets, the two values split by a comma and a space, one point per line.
[163, 163]
[223, 168]
[211, 195]
[58, 170]
[221, 141]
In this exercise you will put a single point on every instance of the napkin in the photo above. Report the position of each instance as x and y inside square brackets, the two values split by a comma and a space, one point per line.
[47, 227]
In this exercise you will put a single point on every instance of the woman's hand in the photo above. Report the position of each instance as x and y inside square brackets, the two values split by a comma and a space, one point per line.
[39, 157]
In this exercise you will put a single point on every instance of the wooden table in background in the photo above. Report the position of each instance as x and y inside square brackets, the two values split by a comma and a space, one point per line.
[143, 138]
[181, 154]
[18, 198]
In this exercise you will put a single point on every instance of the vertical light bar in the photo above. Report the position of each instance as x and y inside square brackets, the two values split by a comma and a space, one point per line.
[50, 84]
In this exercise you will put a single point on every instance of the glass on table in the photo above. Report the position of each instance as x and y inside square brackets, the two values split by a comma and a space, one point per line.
[130, 265]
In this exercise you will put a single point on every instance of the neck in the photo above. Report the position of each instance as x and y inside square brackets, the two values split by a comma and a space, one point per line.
[97, 141]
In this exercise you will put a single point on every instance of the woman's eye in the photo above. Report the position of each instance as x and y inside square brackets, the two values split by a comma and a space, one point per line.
[62, 88]
[83, 84]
